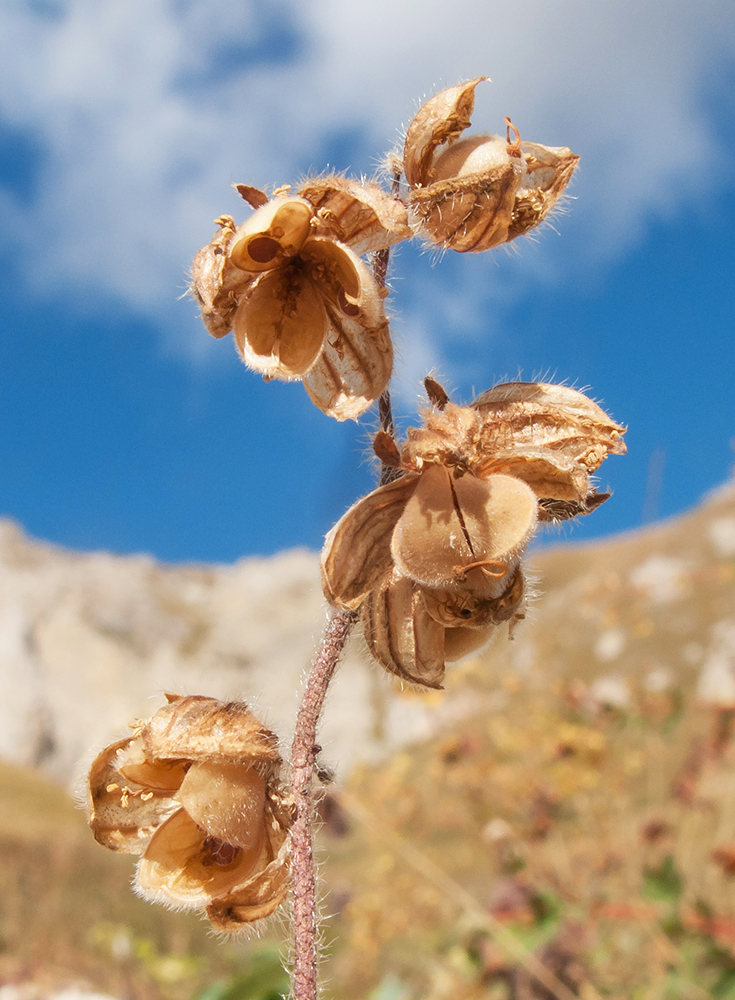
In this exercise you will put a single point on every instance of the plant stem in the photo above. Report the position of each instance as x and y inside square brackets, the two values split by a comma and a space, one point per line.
[304, 749]
[304, 753]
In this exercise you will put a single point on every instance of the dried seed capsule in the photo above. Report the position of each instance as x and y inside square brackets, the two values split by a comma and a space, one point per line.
[475, 193]
[195, 791]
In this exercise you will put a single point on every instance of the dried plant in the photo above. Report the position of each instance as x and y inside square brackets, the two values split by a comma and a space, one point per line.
[430, 561]
[195, 792]
[434, 558]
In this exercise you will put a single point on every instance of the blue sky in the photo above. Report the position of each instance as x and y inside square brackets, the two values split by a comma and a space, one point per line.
[123, 426]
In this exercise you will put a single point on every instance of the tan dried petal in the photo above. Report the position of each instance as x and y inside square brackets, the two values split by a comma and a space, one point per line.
[341, 277]
[548, 172]
[464, 530]
[216, 283]
[549, 474]
[441, 119]
[280, 325]
[272, 235]
[119, 818]
[356, 551]
[358, 214]
[467, 215]
[461, 642]
[161, 776]
[401, 634]
[199, 728]
[552, 417]
[226, 800]
[257, 898]
[180, 866]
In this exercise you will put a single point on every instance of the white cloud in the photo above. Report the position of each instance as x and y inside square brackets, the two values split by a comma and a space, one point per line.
[145, 119]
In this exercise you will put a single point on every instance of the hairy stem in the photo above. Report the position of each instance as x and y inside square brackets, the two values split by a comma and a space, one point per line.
[304, 984]
[304, 753]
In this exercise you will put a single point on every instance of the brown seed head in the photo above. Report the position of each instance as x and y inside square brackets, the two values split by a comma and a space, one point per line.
[474, 193]
[303, 305]
[433, 559]
[195, 792]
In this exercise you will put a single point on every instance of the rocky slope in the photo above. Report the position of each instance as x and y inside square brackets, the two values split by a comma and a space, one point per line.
[89, 641]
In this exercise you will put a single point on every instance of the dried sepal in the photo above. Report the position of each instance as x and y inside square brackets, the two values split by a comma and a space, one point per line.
[437, 394]
[401, 634]
[551, 509]
[216, 283]
[195, 791]
[386, 449]
[441, 119]
[357, 213]
[474, 193]
[357, 551]
[571, 430]
[198, 728]
[252, 195]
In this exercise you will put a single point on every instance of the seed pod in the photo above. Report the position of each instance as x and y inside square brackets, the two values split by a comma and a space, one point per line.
[195, 791]
[475, 193]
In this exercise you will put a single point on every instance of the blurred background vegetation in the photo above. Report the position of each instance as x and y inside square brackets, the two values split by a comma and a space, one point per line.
[576, 810]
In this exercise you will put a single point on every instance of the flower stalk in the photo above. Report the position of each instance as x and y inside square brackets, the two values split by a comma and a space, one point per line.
[304, 750]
